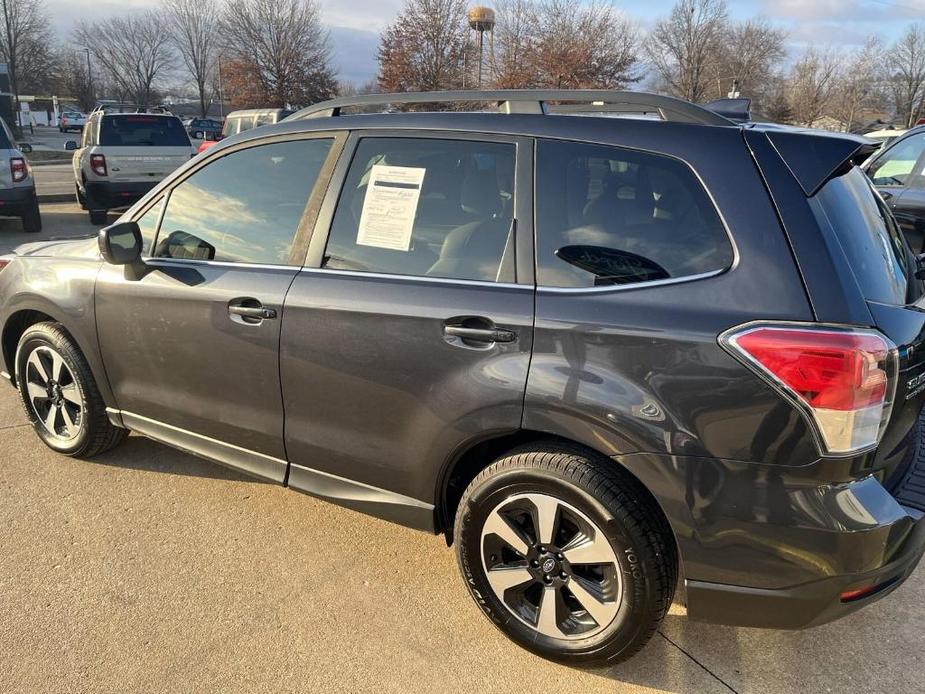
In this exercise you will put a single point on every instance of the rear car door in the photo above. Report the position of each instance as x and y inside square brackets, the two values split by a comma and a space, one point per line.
[190, 343]
[409, 332]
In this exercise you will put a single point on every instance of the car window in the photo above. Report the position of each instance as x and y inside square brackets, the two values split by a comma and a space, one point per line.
[244, 207]
[426, 207]
[6, 137]
[139, 130]
[147, 223]
[894, 167]
[876, 250]
[613, 216]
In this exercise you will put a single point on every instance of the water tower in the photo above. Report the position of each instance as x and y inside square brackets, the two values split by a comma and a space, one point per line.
[481, 19]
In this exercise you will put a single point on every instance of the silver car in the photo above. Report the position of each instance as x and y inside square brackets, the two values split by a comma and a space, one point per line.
[17, 186]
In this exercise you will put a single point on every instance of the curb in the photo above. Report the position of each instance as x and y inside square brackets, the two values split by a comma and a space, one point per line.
[55, 197]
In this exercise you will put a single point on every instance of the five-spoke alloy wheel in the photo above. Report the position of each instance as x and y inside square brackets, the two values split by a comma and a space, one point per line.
[566, 553]
[53, 393]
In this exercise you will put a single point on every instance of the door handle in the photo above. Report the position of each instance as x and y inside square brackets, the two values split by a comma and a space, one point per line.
[252, 312]
[249, 312]
[480, 334]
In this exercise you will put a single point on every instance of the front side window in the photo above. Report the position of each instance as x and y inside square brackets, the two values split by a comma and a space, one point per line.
[244, 207]
[427, 207]
[897, 165]
[611, 216]
[147, 223]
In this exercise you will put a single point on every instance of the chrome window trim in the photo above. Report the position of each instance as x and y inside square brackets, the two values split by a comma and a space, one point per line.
[633, 285]
[217, 263]
[415, 278]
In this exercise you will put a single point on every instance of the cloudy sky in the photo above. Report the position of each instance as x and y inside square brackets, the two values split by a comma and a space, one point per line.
[355, 24]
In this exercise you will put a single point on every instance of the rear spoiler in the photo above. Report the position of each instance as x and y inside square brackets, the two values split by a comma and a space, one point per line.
[814, 157]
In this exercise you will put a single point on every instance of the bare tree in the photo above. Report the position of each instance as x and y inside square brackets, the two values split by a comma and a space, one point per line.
[24, 43]
[194, 26]
[906, 64]
[685, 48]
[748, 55]
[426, 47]
[73, 79]
[812, 84]
[587, 46]
[286, 47]
[134, 51]
[857, 88]
[509, 62]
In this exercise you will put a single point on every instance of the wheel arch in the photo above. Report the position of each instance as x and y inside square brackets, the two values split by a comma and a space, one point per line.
[13, 329]
[472, 459]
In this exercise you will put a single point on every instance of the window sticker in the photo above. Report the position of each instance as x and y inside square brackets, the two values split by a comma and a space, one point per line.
[389, 207]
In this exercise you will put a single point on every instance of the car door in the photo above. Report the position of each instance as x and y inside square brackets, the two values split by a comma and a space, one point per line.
[190, 341]
[898, 174]
[408, 334]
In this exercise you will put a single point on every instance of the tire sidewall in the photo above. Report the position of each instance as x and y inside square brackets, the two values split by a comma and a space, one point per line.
[634, 615]
[30, 341]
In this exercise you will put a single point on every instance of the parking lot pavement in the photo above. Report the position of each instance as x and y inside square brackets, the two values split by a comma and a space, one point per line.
[150, 570]
[54, 180]
[58, 220]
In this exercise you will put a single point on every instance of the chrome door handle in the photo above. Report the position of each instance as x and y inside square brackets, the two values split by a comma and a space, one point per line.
[480, 334]
[258, 312]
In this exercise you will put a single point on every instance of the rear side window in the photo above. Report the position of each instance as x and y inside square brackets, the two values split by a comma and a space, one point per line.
[611, 216]
[874, 246]
[427, 207]
[142, 131]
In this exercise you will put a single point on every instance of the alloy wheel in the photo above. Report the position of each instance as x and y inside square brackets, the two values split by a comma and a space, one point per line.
[53, 394]
[551, 566]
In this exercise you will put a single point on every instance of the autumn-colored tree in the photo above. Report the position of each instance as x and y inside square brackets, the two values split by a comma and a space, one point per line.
[241, 84]
[426, 48]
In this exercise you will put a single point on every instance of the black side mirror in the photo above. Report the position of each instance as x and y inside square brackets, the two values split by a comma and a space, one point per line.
[120, 244]
[25, 148]
[70, 145]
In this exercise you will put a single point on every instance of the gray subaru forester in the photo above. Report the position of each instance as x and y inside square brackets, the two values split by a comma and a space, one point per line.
[599, 340]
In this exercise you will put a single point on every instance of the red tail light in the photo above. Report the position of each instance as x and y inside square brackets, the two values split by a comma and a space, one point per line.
[18, 169]
[98, 164]
[844, 380]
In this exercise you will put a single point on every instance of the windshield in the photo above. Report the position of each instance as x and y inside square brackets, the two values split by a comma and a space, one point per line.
[142, 131]
[874, 246]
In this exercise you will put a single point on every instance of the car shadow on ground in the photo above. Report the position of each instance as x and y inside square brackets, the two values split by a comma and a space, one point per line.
[140, 453]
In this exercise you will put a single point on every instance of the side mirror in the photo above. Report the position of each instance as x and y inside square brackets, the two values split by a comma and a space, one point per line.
[70, 145]
[120, 243]
[25, 148]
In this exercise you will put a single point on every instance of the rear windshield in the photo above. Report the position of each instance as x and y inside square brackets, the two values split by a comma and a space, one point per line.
[873, 244]
[131, 130]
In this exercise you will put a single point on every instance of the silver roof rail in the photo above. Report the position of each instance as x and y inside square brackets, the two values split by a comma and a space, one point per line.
[535, 101]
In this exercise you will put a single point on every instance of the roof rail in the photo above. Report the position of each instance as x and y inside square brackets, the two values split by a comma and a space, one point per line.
[532, 101]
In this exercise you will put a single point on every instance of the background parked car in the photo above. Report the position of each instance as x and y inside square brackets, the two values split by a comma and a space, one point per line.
[122, 156]
[199, 127]
[72, 120]
[240, 121]
[898, 172]
[17, 187]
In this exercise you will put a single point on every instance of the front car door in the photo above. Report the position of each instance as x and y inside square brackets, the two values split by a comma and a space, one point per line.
[190, 343]
[408, 335]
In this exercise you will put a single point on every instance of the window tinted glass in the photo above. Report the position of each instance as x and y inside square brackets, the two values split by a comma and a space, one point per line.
[609, 216]
[141, 130]
[873, 244]
[6, 141]
[147, 223]
[440, 208]
[243, 207]
[896, 165]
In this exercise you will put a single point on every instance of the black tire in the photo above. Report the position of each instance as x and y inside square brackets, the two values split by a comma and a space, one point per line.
[81, 200]
[637, 537]
[94, 432]
[32, 218]
[98, 217]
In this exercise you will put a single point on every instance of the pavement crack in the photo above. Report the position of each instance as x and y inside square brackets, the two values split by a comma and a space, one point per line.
[14, 426]
[702, 666]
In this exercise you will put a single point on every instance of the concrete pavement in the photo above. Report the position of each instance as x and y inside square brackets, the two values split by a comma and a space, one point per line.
[147, 570]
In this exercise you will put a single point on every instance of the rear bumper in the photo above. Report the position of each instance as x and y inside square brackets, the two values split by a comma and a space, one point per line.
[807, 605]
[107, 195]
[15, 201]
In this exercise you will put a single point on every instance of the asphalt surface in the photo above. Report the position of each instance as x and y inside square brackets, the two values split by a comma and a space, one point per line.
[147, 570]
